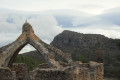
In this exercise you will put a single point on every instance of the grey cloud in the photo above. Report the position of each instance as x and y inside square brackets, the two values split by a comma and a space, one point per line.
[92, 6]
[7, 38]
[48, 24]
[112, 16]
[45, 25]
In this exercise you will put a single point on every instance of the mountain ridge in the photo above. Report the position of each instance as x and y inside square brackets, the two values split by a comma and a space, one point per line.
[91, 47]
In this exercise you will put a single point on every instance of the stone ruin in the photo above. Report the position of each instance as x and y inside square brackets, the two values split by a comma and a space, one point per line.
[52, 70]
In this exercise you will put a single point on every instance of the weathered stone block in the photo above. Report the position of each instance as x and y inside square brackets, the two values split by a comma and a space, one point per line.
[21, 71]
[6, 74]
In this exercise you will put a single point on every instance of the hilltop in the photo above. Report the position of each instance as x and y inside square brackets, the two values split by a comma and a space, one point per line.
[91, 47]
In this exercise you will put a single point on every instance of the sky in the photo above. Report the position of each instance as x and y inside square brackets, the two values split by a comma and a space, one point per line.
[51, 17]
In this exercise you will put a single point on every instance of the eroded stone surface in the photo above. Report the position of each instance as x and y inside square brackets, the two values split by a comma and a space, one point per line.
[83, 71]
[21, 71]
[6, 74]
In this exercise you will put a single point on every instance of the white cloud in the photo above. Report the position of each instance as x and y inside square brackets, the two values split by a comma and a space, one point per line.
[112, 31]
[45, 24]
[27, 48]
[88, 6]
[85, 20]
[98, 24]
[7, 38]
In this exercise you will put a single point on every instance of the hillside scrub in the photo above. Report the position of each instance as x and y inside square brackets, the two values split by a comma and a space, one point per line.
[31, 63]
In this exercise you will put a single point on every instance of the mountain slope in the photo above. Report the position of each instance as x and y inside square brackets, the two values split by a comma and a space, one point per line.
[94, 47]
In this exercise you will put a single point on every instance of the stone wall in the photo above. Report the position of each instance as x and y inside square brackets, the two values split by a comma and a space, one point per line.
[50, 74]
[7, 74]
[45, 65]
[95, 70]
[83, 74]
[21, 71]
[81, 71]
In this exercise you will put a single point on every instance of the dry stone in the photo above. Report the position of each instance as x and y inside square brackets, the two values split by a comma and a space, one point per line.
[6, 74]
[21, 71]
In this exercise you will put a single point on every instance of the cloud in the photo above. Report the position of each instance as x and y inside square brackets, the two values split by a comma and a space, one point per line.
[88, 6]
[47, 24]
[27, 48]
[106, 24]
[6, 38]
[111, 32]
[112, 16]
[65, 18]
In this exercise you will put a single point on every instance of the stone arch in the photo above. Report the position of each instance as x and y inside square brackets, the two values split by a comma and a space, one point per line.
[15, 53]
[28, 37]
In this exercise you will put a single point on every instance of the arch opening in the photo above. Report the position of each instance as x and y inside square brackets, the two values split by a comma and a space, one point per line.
[31, 58]
[34, 61]
[15, 54]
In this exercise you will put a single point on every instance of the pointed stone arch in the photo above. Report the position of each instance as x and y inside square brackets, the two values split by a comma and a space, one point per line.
[28, 37]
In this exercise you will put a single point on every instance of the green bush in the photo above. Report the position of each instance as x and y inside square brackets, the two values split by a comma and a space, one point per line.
[117, 41]
[112, 70]
[81, 57]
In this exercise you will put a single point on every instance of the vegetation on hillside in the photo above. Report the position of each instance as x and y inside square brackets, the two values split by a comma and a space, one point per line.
[112, 66]
[91, 47]
[31, 63]
[117, 42]
[80, 57]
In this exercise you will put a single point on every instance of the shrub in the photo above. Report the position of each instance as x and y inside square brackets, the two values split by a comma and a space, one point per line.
[31, 63]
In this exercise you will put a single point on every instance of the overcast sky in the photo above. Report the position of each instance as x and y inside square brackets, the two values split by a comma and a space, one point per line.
[51, 17]
[88, 6]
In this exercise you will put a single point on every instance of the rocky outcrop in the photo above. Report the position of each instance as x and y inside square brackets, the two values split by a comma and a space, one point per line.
[86, 47]
[95, 46]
